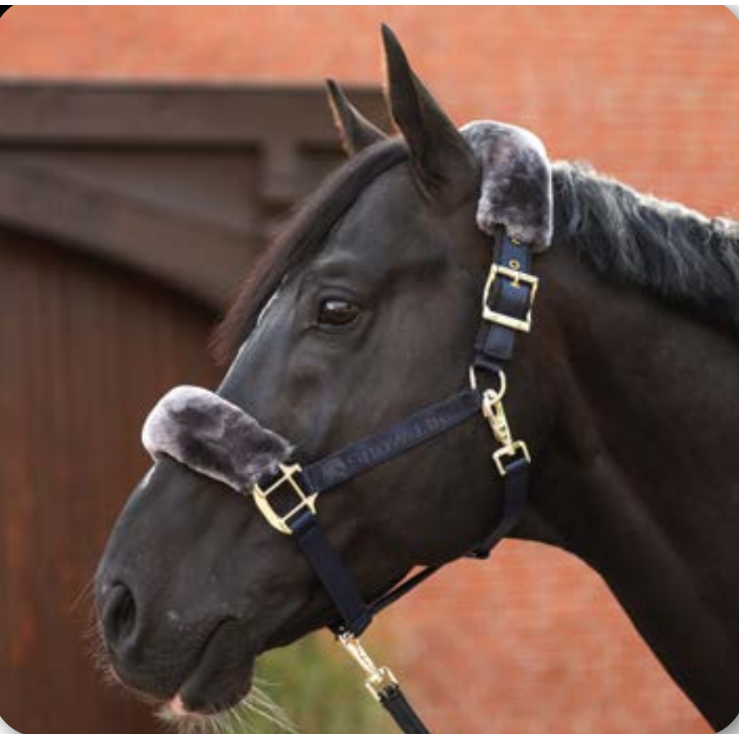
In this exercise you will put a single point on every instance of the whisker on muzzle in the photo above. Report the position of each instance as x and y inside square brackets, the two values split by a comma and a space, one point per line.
[238, 720]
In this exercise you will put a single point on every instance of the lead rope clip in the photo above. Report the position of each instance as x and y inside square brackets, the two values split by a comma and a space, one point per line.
[379, 679]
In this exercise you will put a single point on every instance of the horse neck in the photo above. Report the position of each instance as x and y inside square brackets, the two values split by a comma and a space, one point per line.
[640, 477]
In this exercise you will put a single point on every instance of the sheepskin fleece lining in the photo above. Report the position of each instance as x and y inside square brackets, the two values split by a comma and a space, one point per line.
[516, 182]
[211, 436]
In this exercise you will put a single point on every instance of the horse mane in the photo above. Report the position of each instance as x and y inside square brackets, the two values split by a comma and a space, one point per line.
[665, 249]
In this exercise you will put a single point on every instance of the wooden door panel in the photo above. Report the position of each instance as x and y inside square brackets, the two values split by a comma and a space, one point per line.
[85, 351]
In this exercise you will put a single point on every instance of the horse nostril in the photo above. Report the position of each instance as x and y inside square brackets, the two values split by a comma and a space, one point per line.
[119, 615]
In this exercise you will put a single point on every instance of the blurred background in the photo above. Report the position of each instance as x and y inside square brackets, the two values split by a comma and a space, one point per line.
[146, 154]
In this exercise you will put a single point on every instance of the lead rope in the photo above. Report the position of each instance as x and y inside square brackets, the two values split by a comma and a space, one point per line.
[507, 306]
[384, 687]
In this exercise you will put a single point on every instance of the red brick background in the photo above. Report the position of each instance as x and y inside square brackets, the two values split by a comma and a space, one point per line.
[647, 93]
[532, 640]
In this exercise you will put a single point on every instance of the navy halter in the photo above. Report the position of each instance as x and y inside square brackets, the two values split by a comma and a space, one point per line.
[289, 500]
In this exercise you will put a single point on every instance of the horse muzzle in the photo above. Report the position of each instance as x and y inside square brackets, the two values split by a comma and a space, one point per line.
[161, 640]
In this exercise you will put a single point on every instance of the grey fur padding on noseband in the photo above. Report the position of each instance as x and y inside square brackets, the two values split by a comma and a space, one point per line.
[516, 182]
[211, 436]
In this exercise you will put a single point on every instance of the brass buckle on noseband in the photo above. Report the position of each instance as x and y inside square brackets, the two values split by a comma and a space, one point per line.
[516, 279]
[262, 496]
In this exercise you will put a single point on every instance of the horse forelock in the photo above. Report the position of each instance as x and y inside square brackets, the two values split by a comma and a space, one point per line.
[305, 232]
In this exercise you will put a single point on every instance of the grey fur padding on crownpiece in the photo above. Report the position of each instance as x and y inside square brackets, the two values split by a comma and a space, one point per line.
[516, 182]
[211, 436]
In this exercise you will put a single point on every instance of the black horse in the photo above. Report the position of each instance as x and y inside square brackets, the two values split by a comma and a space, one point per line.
[364, 310]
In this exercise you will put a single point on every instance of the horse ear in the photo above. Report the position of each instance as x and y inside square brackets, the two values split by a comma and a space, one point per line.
[356, 131]
[444, 166]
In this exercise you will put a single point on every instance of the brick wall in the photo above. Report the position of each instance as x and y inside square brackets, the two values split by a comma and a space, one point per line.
[531, 640]
[647, 93]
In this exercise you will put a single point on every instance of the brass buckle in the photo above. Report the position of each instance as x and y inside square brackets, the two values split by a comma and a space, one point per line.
[379, 679]
[261, 498]
[516, 278]
[510, 450]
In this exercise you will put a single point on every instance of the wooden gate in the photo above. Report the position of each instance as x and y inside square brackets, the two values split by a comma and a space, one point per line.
[127, 214]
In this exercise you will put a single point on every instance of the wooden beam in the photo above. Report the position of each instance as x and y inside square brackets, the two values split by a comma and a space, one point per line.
[45, 126]
[203, 259]
[33, 113]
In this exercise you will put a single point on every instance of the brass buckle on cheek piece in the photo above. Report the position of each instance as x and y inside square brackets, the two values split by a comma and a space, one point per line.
[516, 278]
[287, 478]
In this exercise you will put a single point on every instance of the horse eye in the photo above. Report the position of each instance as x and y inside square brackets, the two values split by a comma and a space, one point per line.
[336, 312]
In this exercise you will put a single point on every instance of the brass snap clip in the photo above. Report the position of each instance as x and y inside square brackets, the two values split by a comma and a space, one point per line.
[379, 679]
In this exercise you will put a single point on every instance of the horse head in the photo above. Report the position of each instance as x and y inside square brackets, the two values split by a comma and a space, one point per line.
[365, 310]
